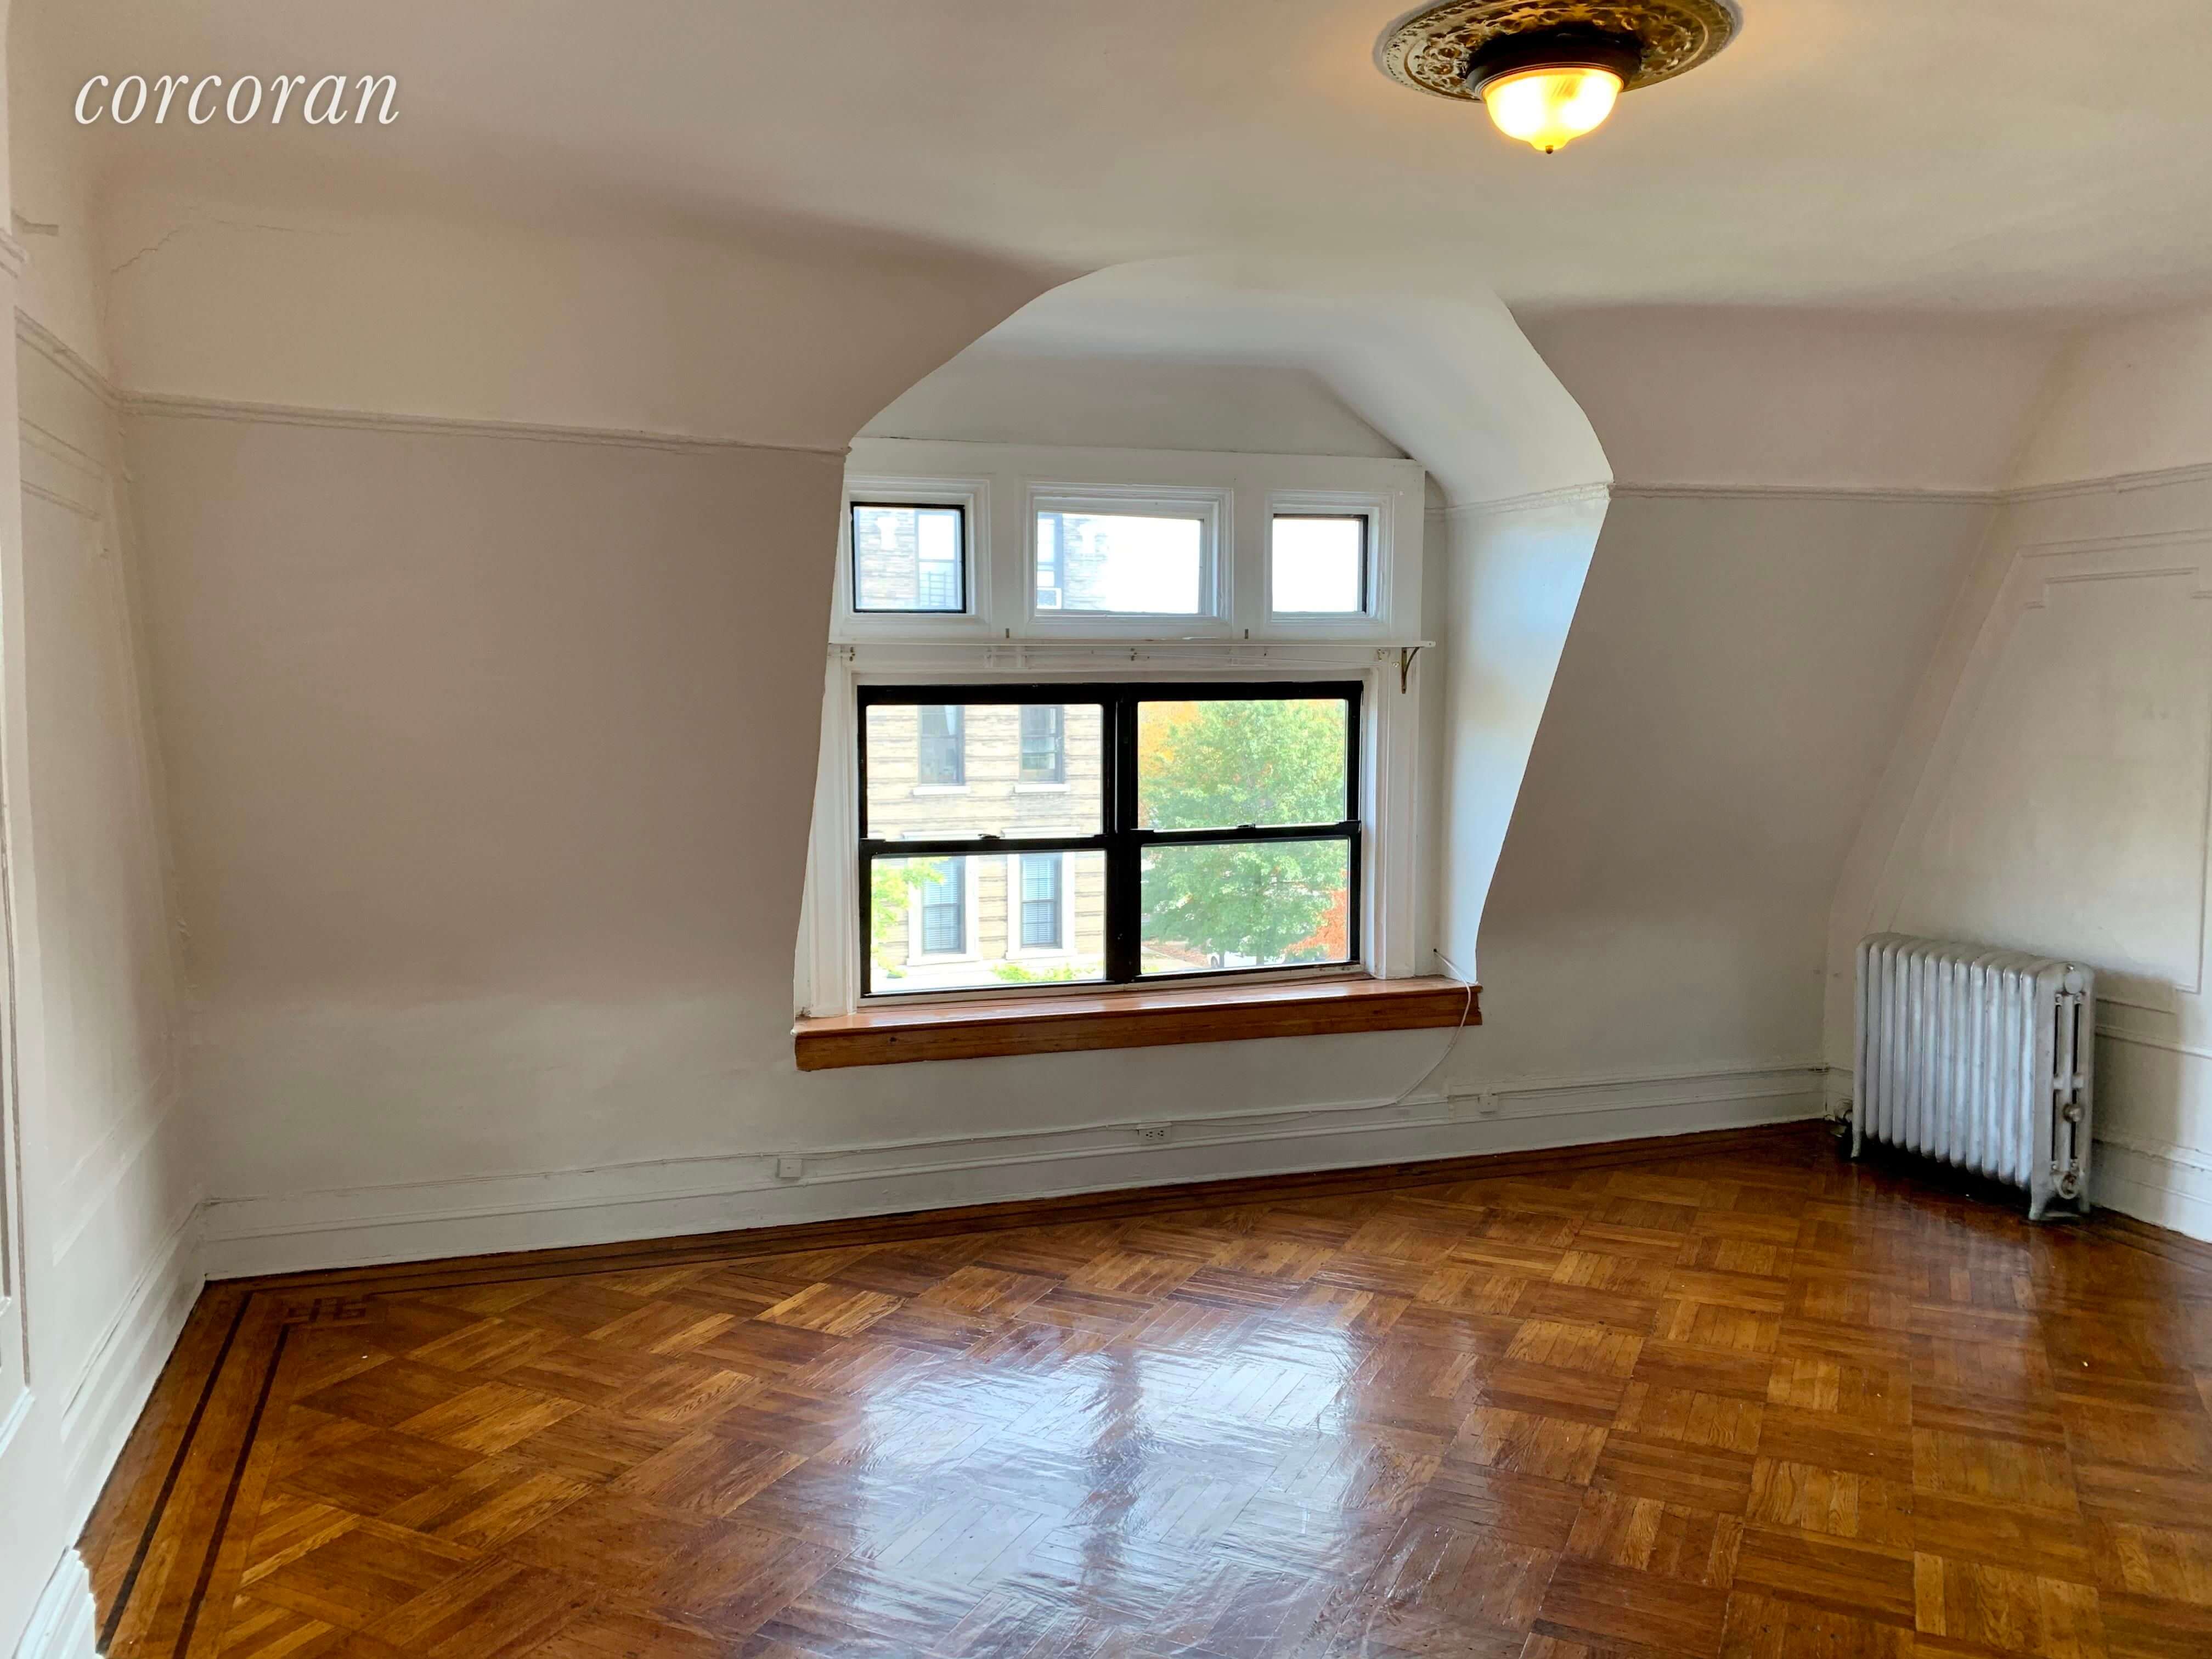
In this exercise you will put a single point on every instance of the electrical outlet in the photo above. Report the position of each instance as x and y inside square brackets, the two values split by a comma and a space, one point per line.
[789, 1166]
[1155, 1135]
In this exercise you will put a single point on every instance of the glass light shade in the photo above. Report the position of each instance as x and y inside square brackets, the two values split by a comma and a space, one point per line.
[1547, 107]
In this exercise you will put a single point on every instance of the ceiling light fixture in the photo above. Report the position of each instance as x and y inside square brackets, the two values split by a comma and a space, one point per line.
[1549, 70]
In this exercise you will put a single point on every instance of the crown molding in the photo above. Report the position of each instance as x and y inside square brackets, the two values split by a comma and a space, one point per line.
[1534, 501]
[2114, 484]
[36, 336]
[171, 406]
[1574, 494]
[1879, 493]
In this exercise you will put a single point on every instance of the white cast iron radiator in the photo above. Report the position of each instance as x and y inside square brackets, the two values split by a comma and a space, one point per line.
[1980, 1057]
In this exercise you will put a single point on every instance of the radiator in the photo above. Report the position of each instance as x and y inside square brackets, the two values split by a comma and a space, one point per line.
[1981, 1057]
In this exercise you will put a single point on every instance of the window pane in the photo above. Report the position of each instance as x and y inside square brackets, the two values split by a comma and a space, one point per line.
[1319, 564]
[1122, 563]
[1246, 904]
[946, 772]
[1267, 762]
[908, 558]
[986, 918]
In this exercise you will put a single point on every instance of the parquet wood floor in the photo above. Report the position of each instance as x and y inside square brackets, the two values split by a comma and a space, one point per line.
[1724, 1397]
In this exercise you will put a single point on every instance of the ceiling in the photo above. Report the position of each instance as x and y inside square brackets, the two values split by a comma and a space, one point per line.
[1983, 155]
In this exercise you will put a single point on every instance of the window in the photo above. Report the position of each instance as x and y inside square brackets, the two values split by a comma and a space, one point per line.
[908, 558]
[1044, 753]
[1205, 829]
[1041, 874]
[1151, 564]
[1317, 564]
[941, 897]
[941, 757]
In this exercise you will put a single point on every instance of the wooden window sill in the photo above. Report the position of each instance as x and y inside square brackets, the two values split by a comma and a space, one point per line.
[882, 1035]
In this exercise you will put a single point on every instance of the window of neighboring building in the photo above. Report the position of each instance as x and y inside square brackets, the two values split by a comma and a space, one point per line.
[941, 755]
[908, 558]
[1041, 874]
[1205, 828]
[1317, 564]
[1044, 752]
[941, 898]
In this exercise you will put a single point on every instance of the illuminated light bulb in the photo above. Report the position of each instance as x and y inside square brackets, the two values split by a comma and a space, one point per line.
[1548, 107]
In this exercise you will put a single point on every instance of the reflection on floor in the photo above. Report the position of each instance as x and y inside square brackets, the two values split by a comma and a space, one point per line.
[1733, 1398]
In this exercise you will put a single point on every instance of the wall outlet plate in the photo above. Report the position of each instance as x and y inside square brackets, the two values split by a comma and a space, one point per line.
[1155, 1135]
[789, 1166]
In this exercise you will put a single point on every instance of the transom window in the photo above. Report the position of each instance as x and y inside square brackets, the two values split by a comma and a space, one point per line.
[909, 558]
[1317, 564]
[1199, 829]
[1140, 561]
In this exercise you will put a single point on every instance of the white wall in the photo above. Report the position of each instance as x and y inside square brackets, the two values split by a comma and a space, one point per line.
[2125, 400]
[2052, 787]
[97, 1267]
[1739, 666]
[1510, 579]
[492, 775]
[1800, 400]
[791, 340]
[986, 396]
[474, 965]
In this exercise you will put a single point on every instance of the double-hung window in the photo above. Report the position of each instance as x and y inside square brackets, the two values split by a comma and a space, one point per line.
[1203, 828]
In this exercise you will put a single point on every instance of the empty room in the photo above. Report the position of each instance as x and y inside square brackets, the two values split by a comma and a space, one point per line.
[1026, 829]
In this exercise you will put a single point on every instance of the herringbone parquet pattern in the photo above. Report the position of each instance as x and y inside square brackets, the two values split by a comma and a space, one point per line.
[1747, 1400]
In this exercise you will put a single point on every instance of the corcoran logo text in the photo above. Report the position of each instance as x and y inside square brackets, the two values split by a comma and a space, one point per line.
[327, 102]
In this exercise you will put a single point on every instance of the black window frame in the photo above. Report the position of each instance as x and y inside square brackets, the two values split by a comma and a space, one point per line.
[1366, 608]
[1119, 837]
[852, 559]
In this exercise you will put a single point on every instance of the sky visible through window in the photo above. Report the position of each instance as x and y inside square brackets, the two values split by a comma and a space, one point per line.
[1319, 565]
[1131, 564]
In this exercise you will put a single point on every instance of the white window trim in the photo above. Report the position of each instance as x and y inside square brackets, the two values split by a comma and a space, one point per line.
[1375, 608]
[973, 496]
[1016, 950]
[1211, 507]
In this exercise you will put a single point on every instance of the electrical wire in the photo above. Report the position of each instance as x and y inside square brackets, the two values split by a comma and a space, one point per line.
[1450, 1042]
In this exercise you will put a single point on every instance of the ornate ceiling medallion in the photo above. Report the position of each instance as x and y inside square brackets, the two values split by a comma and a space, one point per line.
[1430, 50]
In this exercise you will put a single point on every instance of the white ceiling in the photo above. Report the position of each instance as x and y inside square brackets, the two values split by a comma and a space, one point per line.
[1987, 155]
